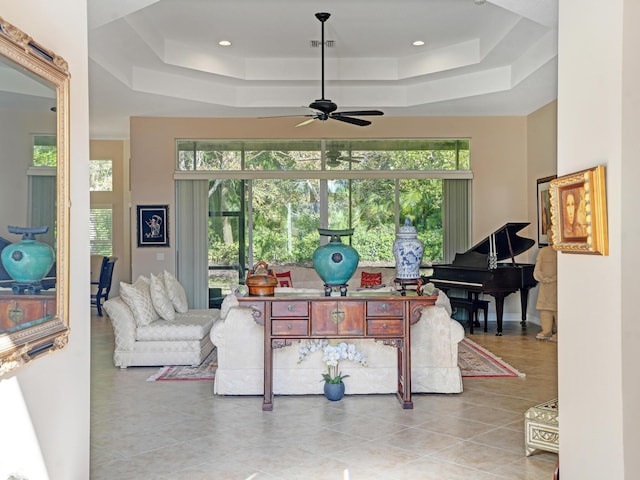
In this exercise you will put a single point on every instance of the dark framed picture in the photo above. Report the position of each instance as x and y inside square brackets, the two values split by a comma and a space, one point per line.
[579, 212]
[153, 228]
[544, 210]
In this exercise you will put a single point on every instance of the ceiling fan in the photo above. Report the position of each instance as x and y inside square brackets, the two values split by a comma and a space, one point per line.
[326, 109]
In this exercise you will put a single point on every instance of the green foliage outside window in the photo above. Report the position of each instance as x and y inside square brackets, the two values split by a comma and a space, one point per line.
[286, 211]
[101, 175]
[45, 151]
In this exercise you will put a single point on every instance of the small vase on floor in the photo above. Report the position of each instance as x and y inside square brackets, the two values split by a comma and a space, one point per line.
[334, 391]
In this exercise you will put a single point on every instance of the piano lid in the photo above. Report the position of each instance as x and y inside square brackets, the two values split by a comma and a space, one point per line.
[505, 235]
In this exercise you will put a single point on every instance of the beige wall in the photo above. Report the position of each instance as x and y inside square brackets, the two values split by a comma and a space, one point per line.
[598, 123]
[118, 152]
[501, 186]
[44, 406]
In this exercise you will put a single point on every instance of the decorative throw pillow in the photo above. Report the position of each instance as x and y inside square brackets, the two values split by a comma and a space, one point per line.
[161, 301]
[370, 279]
[284, 279]
[137, 296]
[176, 293]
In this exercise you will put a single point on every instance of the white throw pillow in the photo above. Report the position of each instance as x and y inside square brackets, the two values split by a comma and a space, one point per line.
[137, 296]
[176, 293]
[161, 301]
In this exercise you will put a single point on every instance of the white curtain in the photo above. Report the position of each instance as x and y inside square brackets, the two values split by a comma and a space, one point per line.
[456, 217]
[42, 206]
[192, 239]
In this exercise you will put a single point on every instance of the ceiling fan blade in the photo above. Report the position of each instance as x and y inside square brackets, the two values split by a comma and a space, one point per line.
[283, 116]
[354, 121]
[361, 113]
[306, 122]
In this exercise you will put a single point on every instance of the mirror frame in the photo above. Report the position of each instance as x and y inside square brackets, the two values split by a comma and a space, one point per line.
[22, 346]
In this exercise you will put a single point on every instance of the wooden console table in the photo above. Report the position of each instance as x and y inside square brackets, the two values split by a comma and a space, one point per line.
[384, 318]
[21, 311]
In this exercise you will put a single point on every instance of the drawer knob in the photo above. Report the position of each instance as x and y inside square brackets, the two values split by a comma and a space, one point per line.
[385, 326]
[290, 307]
[289, 326]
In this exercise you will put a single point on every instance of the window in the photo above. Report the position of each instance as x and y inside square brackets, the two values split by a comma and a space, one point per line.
[267, 198]
[101, 176]
[338, 155]
[45, 151]
[100, 233]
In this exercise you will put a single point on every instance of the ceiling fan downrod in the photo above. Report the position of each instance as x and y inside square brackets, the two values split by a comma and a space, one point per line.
[323, 17]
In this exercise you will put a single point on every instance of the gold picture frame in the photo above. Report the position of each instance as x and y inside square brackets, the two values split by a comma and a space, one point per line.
[37, 324]
[579, 212]
[544, 210]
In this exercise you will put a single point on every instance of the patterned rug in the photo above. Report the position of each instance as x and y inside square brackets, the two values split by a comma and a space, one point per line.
[205, 371]
[473, 360]
[478, 362]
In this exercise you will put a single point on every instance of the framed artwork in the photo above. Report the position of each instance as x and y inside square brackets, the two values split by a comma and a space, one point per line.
[579, 212]
[153, 228]
[544, 210]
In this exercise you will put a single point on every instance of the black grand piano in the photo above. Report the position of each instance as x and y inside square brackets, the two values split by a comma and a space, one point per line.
[470, 270]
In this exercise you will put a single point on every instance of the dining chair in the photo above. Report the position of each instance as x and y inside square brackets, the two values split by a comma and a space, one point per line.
[100, 289]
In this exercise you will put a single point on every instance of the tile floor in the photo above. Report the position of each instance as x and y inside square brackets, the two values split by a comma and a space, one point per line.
[179, 430]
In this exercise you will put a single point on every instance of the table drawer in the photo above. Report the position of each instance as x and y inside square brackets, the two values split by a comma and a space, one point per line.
[289, 309]
[390, 327]
[289, 327]
[381, 308]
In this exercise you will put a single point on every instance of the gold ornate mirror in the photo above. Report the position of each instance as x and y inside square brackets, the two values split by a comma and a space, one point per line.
[34, 192]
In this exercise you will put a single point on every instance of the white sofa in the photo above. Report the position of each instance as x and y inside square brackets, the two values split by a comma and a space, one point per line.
[153, 325]
[239, 342]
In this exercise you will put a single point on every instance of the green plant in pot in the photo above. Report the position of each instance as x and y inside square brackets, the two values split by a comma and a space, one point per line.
[332, 356]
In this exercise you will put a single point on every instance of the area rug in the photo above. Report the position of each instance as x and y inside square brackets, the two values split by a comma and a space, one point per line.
[474, 362]
[478, 362]
[205, 371]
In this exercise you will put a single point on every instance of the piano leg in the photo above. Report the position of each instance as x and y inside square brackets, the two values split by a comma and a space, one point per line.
[524, 300]
[499, 298]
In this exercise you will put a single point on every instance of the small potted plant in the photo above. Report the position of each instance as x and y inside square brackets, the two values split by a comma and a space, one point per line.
[332, 356]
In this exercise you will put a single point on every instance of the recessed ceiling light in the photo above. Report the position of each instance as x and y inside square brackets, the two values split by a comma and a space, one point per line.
[224, 43]
[418, 43]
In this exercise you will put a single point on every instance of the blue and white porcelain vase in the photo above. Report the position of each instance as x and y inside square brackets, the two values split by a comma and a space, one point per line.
[335, 262]
[408, 250]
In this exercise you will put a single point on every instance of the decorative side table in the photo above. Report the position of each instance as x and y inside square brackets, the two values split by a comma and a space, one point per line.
[541, 428]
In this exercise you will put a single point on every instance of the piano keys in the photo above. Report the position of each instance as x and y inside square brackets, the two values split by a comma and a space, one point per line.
[470, 270]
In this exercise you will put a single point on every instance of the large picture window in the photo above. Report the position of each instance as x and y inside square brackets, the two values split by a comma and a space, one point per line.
[267, 198]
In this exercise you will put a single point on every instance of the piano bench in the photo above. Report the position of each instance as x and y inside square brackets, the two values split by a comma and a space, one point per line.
[484, 306]
[472, 307]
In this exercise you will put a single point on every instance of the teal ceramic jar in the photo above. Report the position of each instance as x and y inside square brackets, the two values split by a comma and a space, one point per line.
[27, 261]
[335, 262]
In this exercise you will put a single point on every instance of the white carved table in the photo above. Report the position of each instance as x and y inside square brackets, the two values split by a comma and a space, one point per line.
[541, 428]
